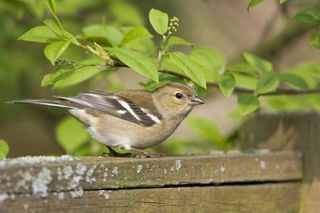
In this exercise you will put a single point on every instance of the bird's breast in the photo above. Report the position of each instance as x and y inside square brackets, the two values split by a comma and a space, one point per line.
[114, 131]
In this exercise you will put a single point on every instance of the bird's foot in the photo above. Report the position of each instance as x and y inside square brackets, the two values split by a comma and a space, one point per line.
[113, 153]
[145, 154]
[141, 154]
[117, 154]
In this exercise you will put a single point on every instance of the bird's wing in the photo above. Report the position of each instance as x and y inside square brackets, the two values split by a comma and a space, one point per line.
[115, 105]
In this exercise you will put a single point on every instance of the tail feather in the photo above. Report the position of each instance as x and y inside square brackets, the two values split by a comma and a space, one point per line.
[45, 102]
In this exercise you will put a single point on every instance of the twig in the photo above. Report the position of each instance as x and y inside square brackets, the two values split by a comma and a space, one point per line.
[279, 91]
[291, 92]
[115, 63]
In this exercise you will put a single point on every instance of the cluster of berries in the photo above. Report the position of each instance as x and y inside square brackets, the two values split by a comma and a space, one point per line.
[64, 62]
[173, 25]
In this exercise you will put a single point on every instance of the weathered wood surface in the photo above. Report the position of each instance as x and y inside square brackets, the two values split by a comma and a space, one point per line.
[264, 198]
[286, 131]
[220, 182]
[289, 131]
[96, 173]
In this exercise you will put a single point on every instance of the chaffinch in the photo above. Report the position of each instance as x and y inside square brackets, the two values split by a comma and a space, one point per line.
[132, 119]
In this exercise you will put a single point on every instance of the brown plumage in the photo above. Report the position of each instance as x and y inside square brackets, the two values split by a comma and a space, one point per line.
[133, 119]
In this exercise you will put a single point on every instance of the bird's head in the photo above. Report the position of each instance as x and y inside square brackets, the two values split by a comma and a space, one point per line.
[175, 100]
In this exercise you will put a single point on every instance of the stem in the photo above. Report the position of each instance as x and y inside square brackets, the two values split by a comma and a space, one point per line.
[161, 51]
[101, 53]
[291, 92]
[55, 17]
[279, 91]
[114, 63]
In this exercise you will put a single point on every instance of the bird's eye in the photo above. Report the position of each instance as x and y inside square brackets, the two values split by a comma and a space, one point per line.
[179, 95]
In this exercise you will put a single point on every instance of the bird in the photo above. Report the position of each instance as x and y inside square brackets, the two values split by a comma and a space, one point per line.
[132, 120]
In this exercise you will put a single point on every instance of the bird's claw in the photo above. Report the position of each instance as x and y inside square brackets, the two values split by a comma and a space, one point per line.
[148, 155]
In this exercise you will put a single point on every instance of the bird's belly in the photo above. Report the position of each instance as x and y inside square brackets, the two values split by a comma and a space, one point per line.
[110, 139]
[139, 138]
[113, 131]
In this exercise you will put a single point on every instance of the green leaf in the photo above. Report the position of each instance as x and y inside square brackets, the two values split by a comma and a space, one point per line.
[190, 67]
[242, 69]
[4, 149]
[78, 75]
[54, 27]
[282, 1]
[159, 21]
[259, 64]
[212, 60]
[71, 134]
[163, 80]
[268, 82]
[227, 84]
[207, 130]
[40, 34]
[52, 5]
[245, 81]
[140, 63]
[293, 103]
[253, 3]
[146, 46]
[315, 39]
[104, 35]
[294, 80]
[308, 16]
[309, 72]
[55, 49]
[58, 30]
[52, 78]
[247, 103]
[168, 64]
[136, 34]
[175, 41]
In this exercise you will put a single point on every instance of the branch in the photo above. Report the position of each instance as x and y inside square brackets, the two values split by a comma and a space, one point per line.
[291, 92]
[115, 63]
[279, 91]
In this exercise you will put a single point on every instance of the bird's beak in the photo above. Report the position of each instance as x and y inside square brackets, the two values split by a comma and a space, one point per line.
[196, 101]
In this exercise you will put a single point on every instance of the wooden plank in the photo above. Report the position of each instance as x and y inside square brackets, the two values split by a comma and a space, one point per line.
[289, 132]
[262, 198]
[38, 176]
[286, 131]
[311, 196]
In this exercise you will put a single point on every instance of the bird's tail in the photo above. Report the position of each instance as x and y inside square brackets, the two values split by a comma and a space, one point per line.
[46, 102]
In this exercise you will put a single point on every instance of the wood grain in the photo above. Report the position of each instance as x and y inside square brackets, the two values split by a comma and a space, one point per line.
[110, 173]
[262, 198]
[261, 182]
[290, 132]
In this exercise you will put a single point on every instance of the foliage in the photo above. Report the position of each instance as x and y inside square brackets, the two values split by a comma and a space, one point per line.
[74, 139]
[209, 138]
[209, 132]
[313, 18]
[115, 47]
[303, 77]
[124, 41]
[4, 149]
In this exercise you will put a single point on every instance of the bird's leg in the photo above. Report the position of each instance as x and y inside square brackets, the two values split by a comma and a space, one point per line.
[144, 154]
[113, 153]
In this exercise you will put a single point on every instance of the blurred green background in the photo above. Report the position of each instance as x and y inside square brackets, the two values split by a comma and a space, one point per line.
[268, 30]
